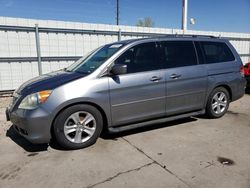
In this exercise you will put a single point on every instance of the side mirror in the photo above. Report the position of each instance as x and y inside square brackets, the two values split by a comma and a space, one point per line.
[118, 69]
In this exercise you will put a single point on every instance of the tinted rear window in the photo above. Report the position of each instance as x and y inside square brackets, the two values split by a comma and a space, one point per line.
[215, 52]
[178, 53]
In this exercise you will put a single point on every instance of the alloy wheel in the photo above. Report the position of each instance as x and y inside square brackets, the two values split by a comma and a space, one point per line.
[219, 102]
[79, 127]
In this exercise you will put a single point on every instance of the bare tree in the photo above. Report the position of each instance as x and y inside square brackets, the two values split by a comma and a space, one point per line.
[145, 22]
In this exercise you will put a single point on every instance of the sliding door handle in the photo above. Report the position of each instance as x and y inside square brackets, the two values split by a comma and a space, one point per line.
[175, 76]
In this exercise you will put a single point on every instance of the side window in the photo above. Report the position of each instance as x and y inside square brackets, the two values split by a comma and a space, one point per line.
[216, 52]
[142, 57]
[178, 53]
[199, 52]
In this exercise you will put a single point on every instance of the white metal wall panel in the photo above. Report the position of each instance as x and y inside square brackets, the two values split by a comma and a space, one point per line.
[49, 66]
[13, 43]
[14, 74]
[53, 44]
[79, 45]
[6, 76]
[44, 44]
[32, 44]
[4, 50]
[24, 44]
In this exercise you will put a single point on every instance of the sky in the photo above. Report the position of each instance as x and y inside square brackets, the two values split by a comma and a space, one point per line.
[210, 15]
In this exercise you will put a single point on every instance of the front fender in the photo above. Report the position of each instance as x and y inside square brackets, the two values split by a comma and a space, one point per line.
[91, 91]
[83, 100]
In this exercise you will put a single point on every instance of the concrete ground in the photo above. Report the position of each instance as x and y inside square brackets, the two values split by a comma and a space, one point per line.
[194, 152]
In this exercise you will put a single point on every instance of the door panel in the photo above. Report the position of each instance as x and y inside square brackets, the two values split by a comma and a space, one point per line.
[186, 81]
[188, 91]
[140, 94]
[137, 97]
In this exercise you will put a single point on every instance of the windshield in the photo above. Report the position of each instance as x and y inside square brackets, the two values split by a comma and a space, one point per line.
[95, 59]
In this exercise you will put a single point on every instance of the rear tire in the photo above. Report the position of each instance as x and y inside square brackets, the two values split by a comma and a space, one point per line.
[217, 103]
[78, 126]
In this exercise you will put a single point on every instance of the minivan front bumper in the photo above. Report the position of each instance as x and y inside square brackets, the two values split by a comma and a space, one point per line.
[34, 125]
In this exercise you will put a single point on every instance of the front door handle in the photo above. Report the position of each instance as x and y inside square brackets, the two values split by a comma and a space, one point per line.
[155, 78]
[175, 76]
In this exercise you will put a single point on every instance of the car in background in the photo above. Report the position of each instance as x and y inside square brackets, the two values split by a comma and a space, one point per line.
[247, 75]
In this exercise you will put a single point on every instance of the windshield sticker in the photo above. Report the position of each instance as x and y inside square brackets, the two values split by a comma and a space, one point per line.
[115, 46]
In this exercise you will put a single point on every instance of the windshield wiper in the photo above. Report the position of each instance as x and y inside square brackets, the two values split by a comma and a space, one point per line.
[66, 70]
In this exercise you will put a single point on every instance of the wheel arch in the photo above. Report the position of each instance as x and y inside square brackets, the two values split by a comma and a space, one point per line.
[209, 112]
[98, 107]
[227, 87]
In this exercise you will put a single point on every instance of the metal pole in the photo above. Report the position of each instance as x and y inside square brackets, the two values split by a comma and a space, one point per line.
[117, 12]
[119, 35]
[184, 15]
[38, 50]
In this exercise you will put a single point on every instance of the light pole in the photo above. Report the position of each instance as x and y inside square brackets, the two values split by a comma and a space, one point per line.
[184, 15]
[117, 12]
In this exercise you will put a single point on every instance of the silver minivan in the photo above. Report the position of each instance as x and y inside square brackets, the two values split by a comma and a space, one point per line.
[126, 85]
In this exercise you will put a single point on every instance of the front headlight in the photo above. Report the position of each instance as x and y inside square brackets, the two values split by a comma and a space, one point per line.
[33, 100]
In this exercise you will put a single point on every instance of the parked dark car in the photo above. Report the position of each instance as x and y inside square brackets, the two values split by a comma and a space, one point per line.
[129, 84]
[247, 75]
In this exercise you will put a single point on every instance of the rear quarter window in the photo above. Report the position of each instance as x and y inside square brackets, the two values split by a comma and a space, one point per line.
[216, 52]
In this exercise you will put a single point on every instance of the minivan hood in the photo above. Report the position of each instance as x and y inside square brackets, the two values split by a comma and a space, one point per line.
[48, 81]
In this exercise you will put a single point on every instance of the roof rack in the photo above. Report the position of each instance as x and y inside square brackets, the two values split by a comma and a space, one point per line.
[206, 36]
[188, 35]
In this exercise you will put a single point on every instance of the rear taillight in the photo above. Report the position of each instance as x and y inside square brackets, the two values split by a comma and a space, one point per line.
[242, 71]
[247, 69]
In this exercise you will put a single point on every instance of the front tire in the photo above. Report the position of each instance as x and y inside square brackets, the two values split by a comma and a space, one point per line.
[217, 103]
[78, 126]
